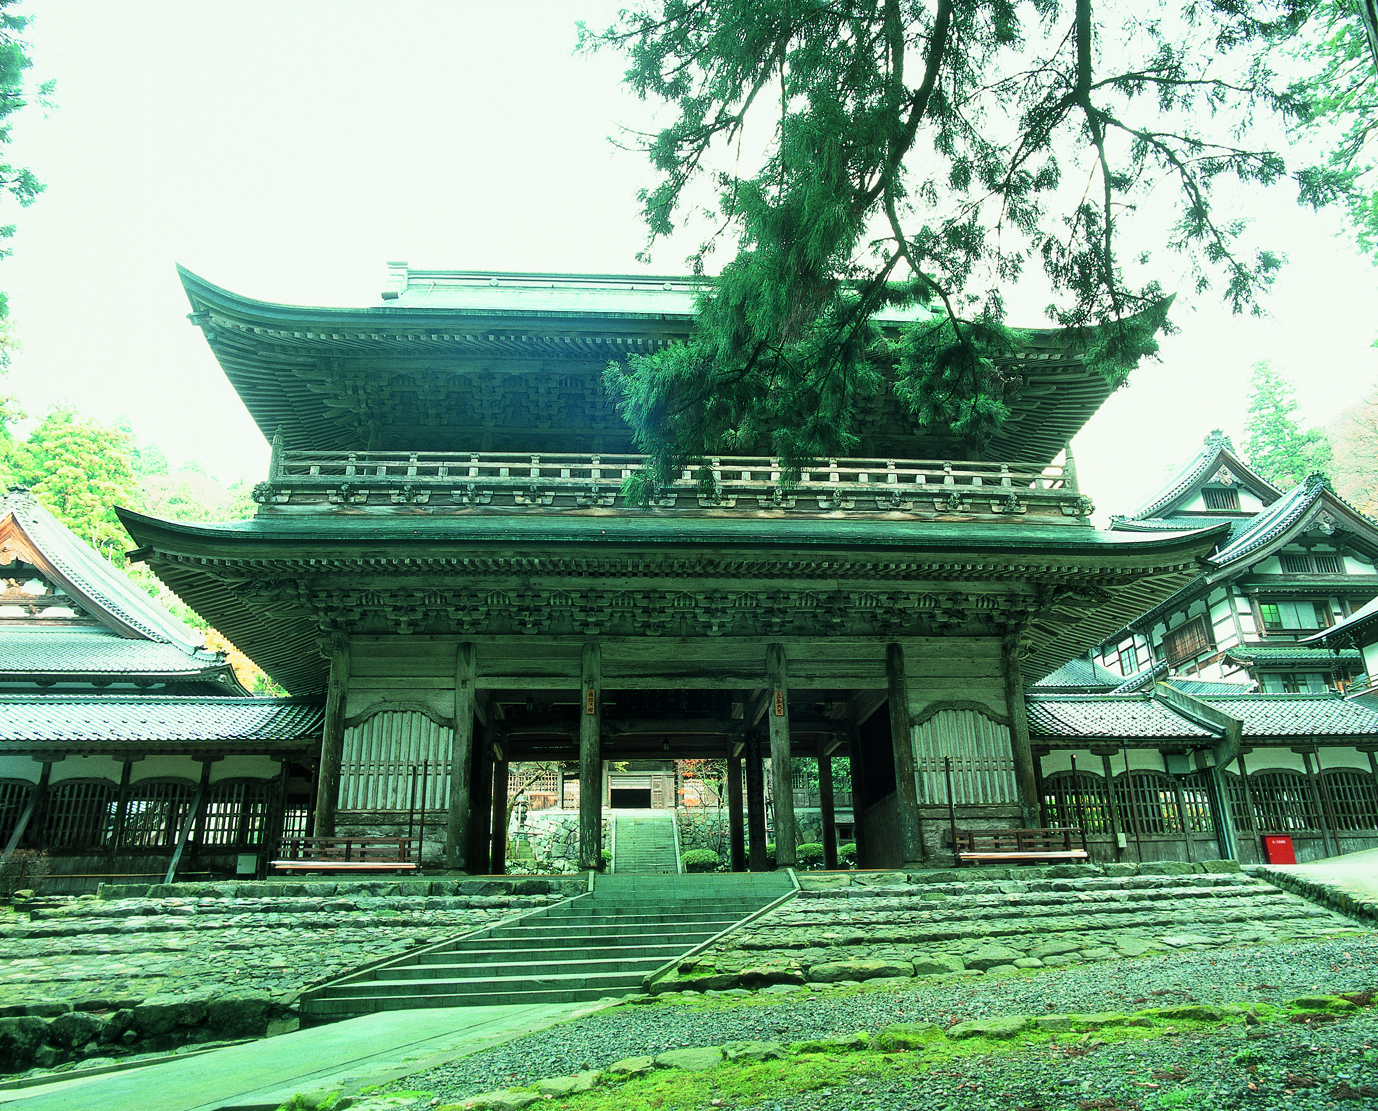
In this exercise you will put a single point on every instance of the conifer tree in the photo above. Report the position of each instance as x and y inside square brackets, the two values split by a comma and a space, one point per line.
[1277, 447]
[915, 155]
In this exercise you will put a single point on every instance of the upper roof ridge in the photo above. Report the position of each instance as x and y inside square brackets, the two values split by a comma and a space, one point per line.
[1217, 450]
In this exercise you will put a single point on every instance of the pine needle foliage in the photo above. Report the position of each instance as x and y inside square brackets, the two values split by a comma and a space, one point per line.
[910, 159]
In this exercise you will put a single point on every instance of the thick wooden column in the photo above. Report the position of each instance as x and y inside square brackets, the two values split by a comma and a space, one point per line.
[497, 864]
[591, 757]
[461, 759]
[332, 738]
[902, 741]
[825, 803]
[736, 819]
[1025, 781]
[781, 768]
[121, 810]
[755, 805]
[481, 800]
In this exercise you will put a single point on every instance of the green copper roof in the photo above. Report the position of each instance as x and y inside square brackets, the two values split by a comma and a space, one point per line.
[1108, 717]
[1296, 715]
[96, 720]
[92, 650]
[1217, 451]
[1299, 654]
[1360, 628]
[1080, 674]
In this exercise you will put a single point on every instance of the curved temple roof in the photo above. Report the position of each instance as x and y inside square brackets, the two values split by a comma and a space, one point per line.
[470, 360]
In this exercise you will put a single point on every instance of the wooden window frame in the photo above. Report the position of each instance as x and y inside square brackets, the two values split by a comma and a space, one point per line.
[1203, 642]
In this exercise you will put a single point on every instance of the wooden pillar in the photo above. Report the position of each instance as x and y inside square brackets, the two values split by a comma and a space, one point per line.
[1183, 815]
[1025, 781]
[461, 759]
[781, 769]
[902, 741]
[193, 819]
[481, 800]
[856, 764]
[275, 819]
[755, 805]
[1112, 804]
[332, 738]
[825, 803]
[591, 756]
[121, 810]
[1329, 835]
[497, 864]
[736, 819]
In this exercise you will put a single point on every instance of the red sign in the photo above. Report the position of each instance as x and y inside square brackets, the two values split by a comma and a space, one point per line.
[1278, 850]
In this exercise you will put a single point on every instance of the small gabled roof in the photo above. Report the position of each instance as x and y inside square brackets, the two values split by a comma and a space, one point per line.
[1360, 628]
[1109, 717]
[1291, 655]
[31, 533]
[1291, 515]
[1143, 679]
[1078, 675]
[1216, 453]
[93, 650]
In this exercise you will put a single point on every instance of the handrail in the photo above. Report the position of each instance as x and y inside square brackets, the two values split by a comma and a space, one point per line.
[606, 472]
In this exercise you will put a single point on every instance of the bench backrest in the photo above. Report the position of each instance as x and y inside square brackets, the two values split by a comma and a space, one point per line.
[363, 849]
[1013, 840]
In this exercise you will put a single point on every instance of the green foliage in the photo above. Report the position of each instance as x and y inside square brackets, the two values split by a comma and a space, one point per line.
[809, 855]
[1340, 47]
[80, 469]
[16, 182]
[700, 860]
[905, 162]
[1277, 447]
[846, 855]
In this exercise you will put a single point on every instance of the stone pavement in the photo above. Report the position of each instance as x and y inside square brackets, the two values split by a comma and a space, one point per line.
[1347, 883]
[261, 1075]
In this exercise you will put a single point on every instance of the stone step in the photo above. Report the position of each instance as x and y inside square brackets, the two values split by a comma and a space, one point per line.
[490, 970]
[689, 938]
[660, 949]
[329, 1009]
[606, 982]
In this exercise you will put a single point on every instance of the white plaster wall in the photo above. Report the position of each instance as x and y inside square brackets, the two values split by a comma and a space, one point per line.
[86, 767]
[1270, 566]
[166, 767]
[1370, 654]
[1056, 762]
[244, 767]
[1250, 502]
[1272, 759]
[1357, 565]
[20, 767]
[1343, 758]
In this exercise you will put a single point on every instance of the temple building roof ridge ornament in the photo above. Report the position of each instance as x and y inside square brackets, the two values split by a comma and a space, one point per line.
[1216, 462]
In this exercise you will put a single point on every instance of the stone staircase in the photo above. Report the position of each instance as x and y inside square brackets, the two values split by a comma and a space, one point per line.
[591, 947]
[645, 843]
[995, 921]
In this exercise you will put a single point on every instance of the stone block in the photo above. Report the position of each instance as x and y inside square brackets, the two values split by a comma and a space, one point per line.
[991, 1027]
[1123, 869]
[74, 1029]
[831, 972]
[20, 1040]
[1133, 946]
[1331, 1003]
[879, 879]
[532, 887]
[49, 1008]
[1165, 868]
[988, 956]
[116, 1025]
[715, 982]
[855, 1043]
[1070, 871]
[242, 1015]
[555, 1087]
[691, 1060]
[504, 1100]
[1190, 1012]
[754, 1051]
[938, 965]
[822, 881]
[160, 1014]
[940, 876]
[631, 1066]
[1219, 867]
[909, 1035]
[1181, 941]
[1028, 962]
[1003, 970]
[1054, 948]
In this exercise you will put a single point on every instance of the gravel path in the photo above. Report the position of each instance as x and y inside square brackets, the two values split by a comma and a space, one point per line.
[1272, 973]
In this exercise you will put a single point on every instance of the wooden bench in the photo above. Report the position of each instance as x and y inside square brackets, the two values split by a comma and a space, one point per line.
[1015, 846]
[346, 854]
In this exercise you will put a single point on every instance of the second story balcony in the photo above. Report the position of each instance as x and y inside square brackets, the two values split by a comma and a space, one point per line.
[448, 483]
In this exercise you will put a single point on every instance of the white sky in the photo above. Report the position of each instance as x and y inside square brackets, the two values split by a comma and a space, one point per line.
[286, 150]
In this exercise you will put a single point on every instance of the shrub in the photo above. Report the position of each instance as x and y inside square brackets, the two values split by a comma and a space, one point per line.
[700, 860]
[770, 854]
[604, 859]
[809, 855]
[846, 855]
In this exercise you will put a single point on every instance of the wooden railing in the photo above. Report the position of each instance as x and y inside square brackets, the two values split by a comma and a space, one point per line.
[474, 479]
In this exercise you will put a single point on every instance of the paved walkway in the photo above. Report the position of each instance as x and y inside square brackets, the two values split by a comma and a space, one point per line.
[258, 1076]
[1349, 882]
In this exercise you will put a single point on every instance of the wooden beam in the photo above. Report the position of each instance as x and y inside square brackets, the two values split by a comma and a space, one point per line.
[461, 759]
[780, 763]
[902, 741]
[591, 757]
[332, 738]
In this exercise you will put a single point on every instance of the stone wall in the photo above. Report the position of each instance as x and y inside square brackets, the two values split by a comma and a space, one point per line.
[553, 836]
[707, 828]
[146, 969]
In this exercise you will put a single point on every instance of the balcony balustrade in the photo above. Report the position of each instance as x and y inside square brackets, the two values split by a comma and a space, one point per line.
[508, 482]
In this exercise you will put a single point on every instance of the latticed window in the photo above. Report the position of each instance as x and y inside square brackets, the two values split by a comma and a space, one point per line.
[1286, 616]
[1150, 799]
[14, 796]
[1069, 802]
[1238, 804]
[156, 812]
[1197, 796]
[236, 812]
[1283, 802]
[1218, 497]
[1353, 797]
[1187, 641]
[80, 814]
[294, 820]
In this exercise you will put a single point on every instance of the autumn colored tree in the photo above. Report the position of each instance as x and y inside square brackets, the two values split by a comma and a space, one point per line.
[1354, 437]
